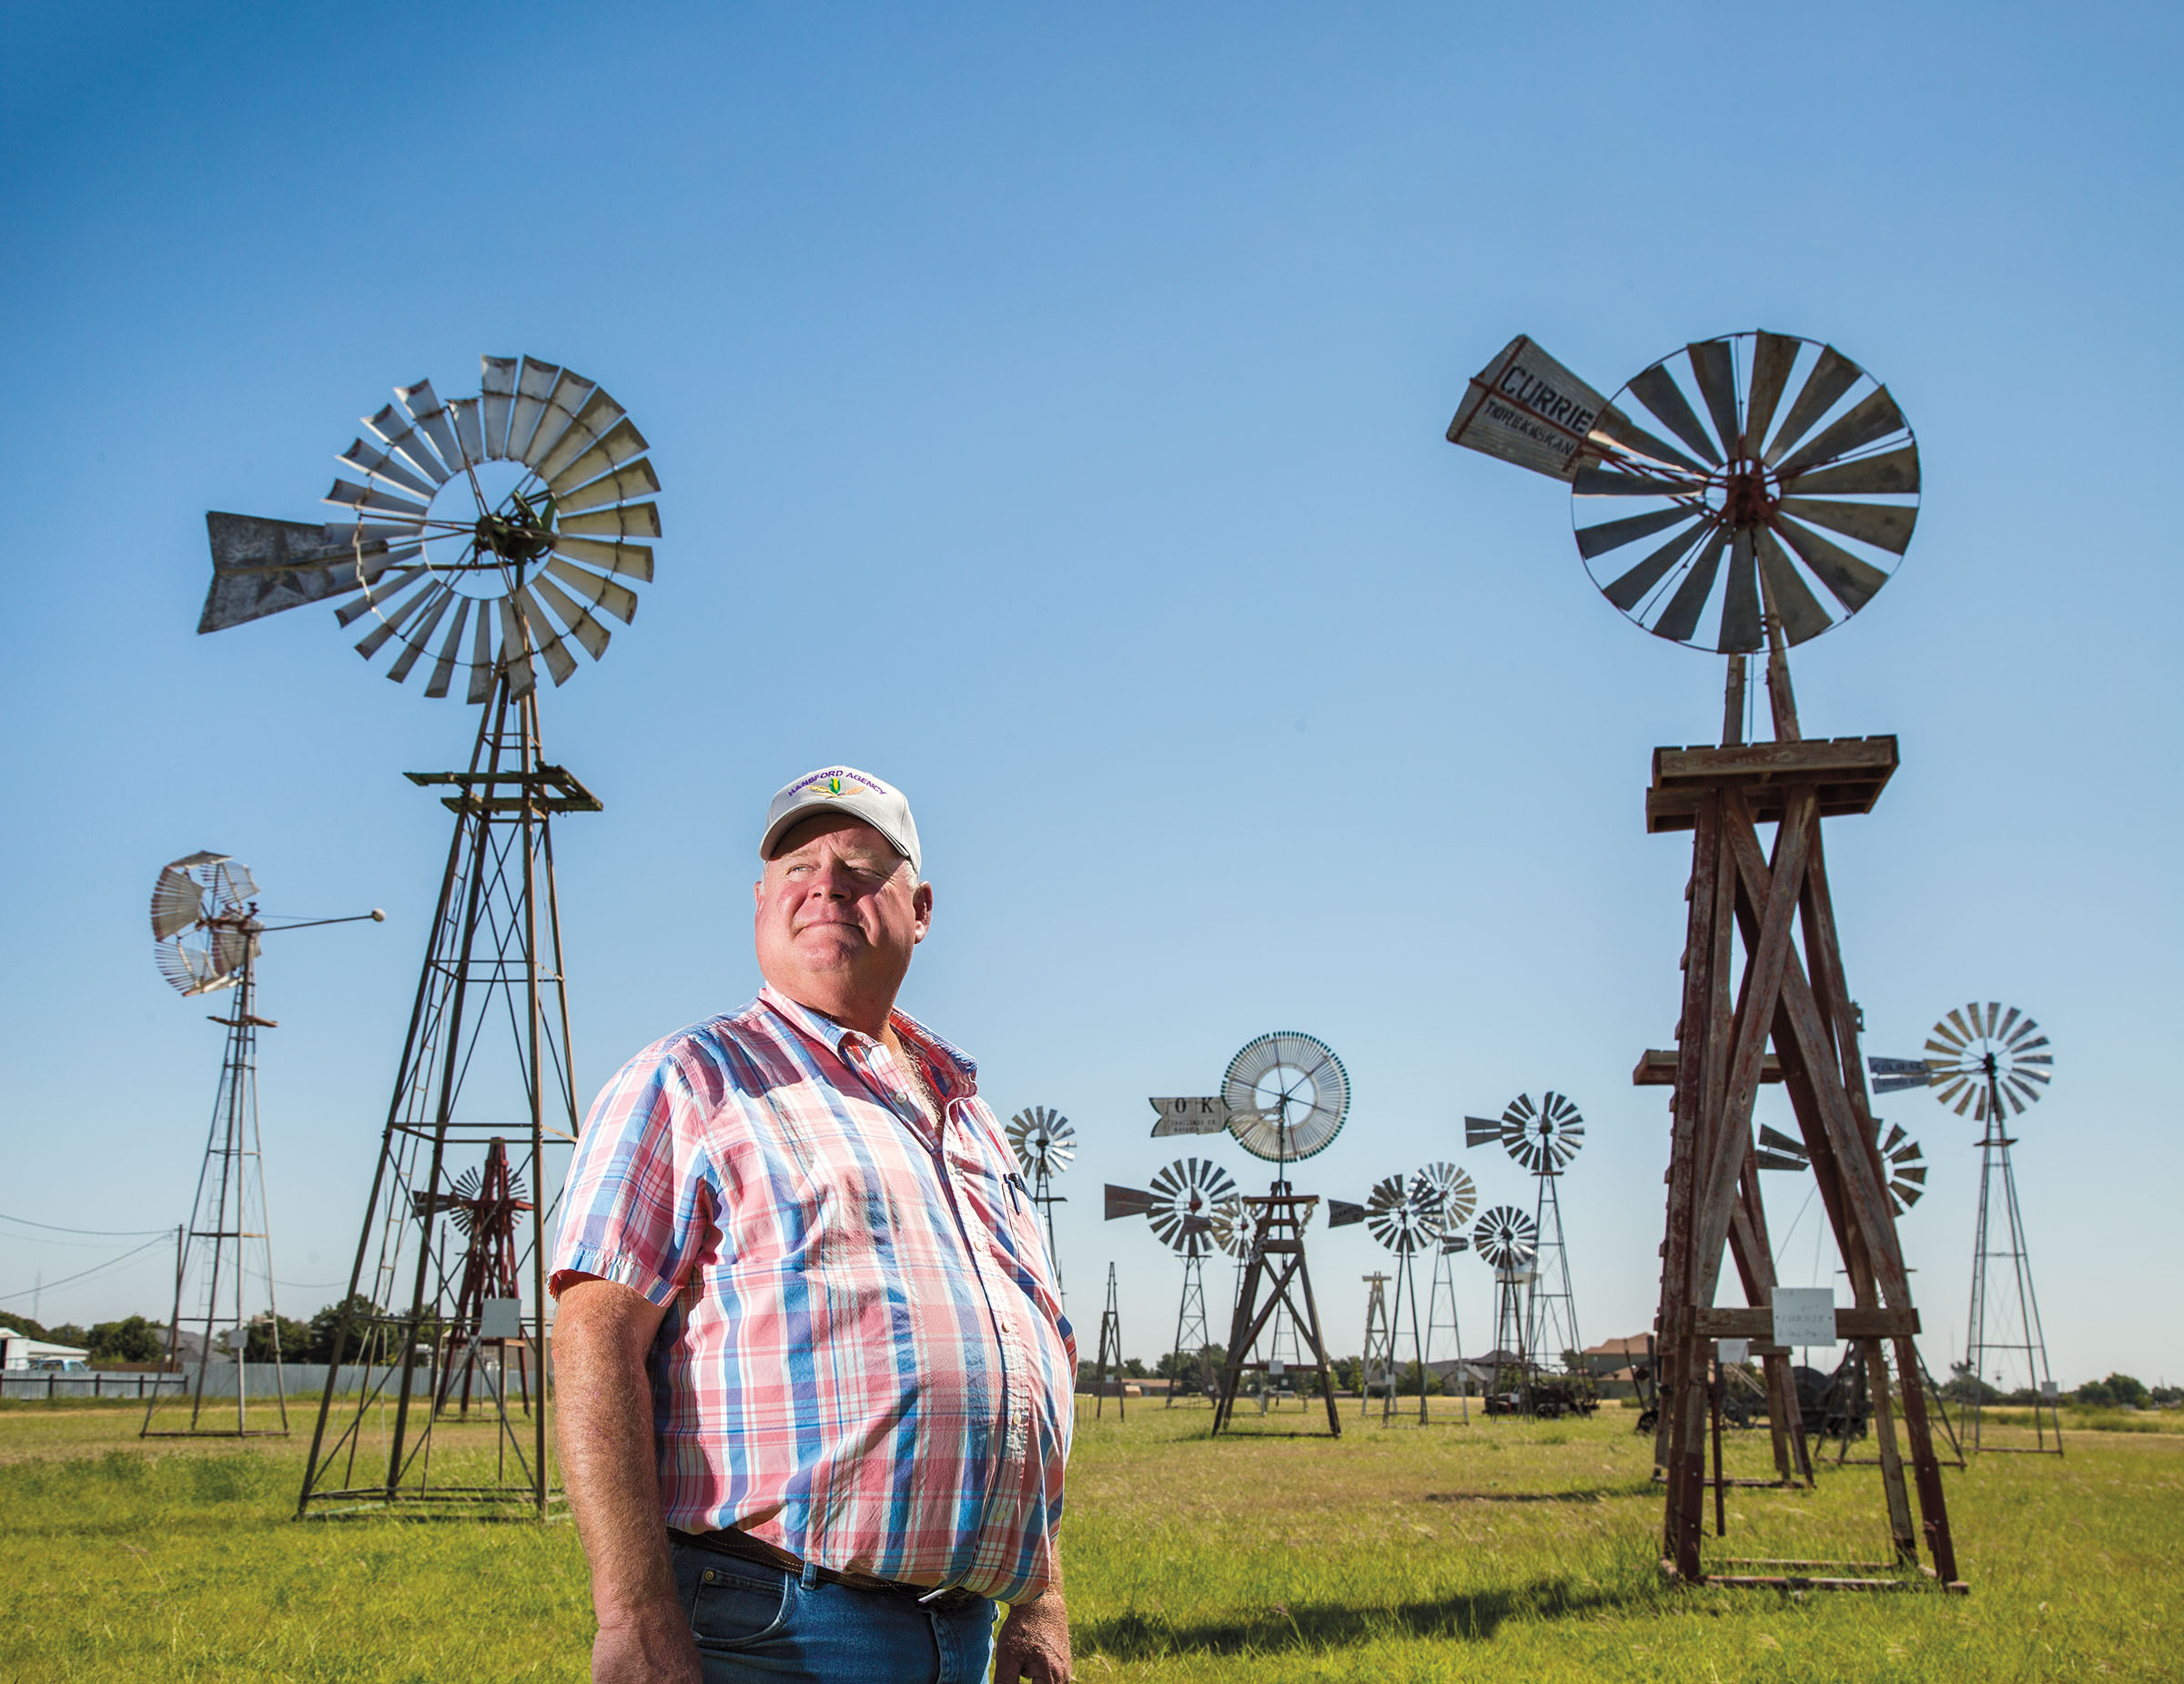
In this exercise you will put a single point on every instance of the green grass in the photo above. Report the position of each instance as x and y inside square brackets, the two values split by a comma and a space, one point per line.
[1492, 1549]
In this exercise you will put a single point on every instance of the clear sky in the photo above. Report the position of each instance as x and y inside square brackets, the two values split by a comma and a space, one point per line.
[1049, 407]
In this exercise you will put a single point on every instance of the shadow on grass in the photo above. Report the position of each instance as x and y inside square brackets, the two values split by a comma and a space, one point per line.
[1472, 1617]
[1579, 1494]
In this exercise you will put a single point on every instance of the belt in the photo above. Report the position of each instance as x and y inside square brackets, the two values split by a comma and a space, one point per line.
[744, 1547]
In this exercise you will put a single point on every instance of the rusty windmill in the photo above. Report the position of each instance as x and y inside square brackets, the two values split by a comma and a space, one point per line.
[1742, 495]
[484, 541]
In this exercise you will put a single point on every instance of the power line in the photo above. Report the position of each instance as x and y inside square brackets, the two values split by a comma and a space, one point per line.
[107, 1233]
[95, 1268]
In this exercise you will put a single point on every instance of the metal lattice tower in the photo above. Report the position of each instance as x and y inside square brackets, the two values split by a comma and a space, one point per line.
[492, 987]
[1377, 1366]
[226, 1269]
[1110, 1353]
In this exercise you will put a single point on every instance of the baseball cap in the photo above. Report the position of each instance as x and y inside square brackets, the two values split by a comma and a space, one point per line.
[843, 789]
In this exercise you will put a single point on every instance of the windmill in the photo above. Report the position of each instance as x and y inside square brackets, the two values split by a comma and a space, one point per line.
[1543, 1139]
[206, 935]
[485, 1203]
[482, 539]
[1187, 1199]
[1507, 1239]
[1459, 1198]
[1739, 496]
[1045, 1145]
[1403, 1213]
[1988, 1062]
[1283, 1099]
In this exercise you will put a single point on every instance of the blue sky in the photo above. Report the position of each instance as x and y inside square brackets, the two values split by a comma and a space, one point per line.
[1049, 403]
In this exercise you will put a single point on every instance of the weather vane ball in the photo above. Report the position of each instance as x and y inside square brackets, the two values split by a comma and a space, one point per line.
[487, 533]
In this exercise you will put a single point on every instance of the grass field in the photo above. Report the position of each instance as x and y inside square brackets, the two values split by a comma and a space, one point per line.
[1492, 1549]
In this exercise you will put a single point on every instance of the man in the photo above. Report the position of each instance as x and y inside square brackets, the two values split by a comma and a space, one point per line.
[813, 1378]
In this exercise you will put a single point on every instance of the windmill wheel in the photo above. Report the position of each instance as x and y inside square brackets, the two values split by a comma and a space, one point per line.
[1789, 459]
[202, 921]
[1185, 1195]
[1231, 1227]
[1401, 1211]
[1506, 1238]
[1907, 1175]
[1287, 1094]
[1043, 1140]
[1542, 1137]
[482, 533]
[1978, 1053]
[1455, 1193]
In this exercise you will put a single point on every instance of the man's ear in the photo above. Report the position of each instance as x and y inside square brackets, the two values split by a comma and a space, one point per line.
[758, 894]
[921, 904]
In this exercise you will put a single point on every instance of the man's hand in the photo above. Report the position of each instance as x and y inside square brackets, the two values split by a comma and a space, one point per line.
[1035, 1642]
[649, 1645]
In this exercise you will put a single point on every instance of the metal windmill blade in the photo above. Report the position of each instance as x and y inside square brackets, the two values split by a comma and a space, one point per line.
[1545, 1137]
[204, 927]
[1981, 1053]
[1043, 1140]
[1185, 1195]
[1787, 483]
[1900, 1158]
[489, 534]
[1777, 1150]
[1286, 1094]
[470, 1206]
[1506, 1237]
[1454, 1194]
[1401, 1214]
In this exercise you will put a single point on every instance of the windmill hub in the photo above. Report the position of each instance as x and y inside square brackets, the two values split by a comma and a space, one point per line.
[1747, 501]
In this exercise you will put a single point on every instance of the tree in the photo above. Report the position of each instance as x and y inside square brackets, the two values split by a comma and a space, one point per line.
[1966, 1387]
[130, 1340]
[2117, 1389]
[2162, 1397]
[1133, 1369]
[295, 1340]
[319, 1346]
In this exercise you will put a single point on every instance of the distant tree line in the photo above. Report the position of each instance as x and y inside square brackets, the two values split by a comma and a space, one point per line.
[138, 1339]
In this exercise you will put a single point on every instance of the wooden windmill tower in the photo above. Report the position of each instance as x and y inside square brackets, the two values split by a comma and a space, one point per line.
[1773, 502]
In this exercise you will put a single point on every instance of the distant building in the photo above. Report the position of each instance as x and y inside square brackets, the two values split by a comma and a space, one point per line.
[1613, 1363]
[20, 1350]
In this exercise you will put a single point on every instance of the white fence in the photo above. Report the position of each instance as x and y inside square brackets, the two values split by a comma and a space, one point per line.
[259, 1379]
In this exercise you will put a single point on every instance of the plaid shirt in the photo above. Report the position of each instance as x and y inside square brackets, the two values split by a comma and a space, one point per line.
[865, 1360]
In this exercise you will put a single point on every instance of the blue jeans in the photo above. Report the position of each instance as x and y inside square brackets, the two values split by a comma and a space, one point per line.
[757, 1623]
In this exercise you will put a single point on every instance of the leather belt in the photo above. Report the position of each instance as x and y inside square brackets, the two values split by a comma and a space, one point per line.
[744, 1547]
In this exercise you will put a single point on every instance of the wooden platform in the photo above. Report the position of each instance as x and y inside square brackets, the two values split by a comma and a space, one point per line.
[1850, 772]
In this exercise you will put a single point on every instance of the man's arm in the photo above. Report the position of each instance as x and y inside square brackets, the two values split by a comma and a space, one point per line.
[1034, 1638]
[603, 1409]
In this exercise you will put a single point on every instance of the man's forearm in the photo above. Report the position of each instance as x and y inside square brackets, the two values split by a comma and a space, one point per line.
[604, 1409]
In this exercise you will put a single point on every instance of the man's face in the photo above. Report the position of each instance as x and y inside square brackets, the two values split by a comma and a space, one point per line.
[838, 912]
